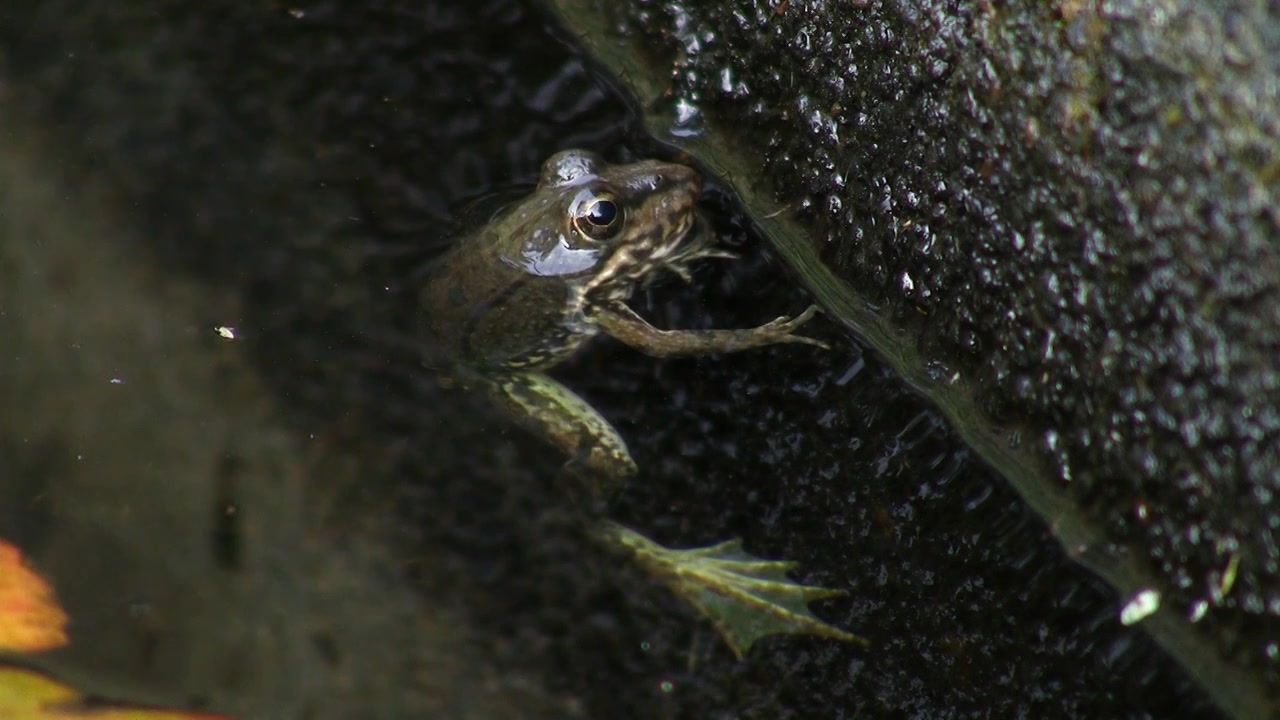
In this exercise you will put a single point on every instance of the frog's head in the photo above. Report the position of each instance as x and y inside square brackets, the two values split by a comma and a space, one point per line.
[606, 227]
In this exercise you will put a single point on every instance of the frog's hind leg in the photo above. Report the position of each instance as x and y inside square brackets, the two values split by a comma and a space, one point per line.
[744, 596]
[598, 457]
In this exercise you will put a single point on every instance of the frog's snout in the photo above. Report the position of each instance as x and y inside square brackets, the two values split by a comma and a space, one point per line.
[682, 178]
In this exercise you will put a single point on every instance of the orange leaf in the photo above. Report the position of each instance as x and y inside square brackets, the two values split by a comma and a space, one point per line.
[28, 695]
[30, 618]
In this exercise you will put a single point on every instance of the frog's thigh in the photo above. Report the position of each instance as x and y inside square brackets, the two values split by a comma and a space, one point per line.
[554, 412]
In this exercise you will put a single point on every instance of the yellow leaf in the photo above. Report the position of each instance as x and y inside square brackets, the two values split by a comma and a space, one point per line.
[28, 695]
[30, 618]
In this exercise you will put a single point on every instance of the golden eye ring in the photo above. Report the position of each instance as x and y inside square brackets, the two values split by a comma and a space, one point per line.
[598, 218]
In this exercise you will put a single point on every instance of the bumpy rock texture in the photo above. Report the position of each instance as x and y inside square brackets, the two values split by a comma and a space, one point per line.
[1072, 205]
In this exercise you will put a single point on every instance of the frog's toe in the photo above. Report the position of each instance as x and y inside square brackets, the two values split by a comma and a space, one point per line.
[808, 314]
[805, 340]
[744, 596]
[783, 329]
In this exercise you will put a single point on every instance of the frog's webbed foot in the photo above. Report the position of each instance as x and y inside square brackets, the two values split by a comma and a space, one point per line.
[744, 596]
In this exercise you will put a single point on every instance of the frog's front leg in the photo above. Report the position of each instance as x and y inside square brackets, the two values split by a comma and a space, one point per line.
[624, 324]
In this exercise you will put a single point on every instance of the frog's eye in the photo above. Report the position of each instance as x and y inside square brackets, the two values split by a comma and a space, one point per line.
[599, 218]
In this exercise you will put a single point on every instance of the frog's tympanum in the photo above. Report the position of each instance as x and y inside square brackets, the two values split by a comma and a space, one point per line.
[556, 269]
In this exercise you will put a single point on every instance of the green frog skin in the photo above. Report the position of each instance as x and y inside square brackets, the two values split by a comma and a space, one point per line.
[554, 270]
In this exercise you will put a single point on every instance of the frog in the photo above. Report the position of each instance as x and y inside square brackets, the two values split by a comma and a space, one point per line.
[544, 277]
